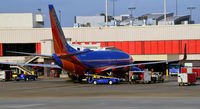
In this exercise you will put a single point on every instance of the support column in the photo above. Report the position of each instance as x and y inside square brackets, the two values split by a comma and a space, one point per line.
[1, 50]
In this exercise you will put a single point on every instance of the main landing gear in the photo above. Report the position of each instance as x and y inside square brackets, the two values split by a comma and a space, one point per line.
[76, 78]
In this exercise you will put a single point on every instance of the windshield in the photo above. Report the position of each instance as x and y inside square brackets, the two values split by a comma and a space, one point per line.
[174, 67]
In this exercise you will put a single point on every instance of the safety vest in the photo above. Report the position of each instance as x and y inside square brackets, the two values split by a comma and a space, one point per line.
[133, 77]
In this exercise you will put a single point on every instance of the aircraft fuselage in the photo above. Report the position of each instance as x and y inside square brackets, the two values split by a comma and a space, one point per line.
[94, 60]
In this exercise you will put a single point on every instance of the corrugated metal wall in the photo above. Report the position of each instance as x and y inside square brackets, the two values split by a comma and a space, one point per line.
[135, 33]
[1, 50]
[101, 34]
[38, 48]
[134, 40]
[155, 47]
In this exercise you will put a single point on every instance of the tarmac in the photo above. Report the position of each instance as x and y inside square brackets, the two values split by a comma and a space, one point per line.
[57, 93]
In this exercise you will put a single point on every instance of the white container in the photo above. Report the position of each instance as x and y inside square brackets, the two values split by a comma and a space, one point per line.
[187, 78]
[2, 75]
[144, 76]
[147, 76]
[183, 78]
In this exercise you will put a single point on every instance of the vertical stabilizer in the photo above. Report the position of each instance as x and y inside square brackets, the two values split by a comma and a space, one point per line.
[60, 44]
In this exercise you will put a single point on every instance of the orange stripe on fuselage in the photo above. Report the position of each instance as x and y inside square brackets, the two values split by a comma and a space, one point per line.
[59, 46]
[73, 68]
[71, 64]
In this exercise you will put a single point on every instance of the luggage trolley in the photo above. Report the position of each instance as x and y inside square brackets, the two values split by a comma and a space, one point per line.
[186, 78]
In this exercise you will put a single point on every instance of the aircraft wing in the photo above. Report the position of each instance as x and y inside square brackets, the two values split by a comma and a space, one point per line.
[39, 65]
[50, 56]
[131, 65]
[148, 63]
[31, 54]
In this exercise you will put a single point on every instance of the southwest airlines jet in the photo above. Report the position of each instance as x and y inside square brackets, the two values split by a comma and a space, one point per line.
[77, 63]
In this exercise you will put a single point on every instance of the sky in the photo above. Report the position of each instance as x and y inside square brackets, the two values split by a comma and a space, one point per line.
[71, 8]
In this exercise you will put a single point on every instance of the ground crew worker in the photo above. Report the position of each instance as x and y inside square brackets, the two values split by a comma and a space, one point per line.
[133, 79]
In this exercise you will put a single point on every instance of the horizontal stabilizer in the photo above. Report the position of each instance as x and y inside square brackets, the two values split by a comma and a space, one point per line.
[69, 55]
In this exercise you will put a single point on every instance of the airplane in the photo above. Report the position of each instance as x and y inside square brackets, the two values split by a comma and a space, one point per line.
[77, 63]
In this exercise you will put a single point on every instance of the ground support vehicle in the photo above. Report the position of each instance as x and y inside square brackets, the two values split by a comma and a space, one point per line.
[174, 69]
[97, 79]
[25, 77]
[157, 77]
[186, 79]
[140, 76]
[195, 70]
[5, 75]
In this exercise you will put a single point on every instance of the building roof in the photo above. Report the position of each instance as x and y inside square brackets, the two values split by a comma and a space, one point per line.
[176, 18]
[153, 15]
[157, 16]
[127, 21]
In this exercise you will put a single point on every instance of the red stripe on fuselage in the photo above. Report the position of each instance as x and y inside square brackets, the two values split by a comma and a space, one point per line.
[59, 46]
[73, 68]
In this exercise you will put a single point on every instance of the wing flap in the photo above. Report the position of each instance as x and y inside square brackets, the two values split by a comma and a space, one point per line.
[39, 65]
[31, 54]
[131, 65]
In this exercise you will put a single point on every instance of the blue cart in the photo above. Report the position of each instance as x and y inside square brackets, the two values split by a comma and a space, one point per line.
[26, 77]
[104, 80]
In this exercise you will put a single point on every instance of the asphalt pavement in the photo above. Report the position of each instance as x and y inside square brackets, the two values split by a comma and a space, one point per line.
[57, 93]
[100, 103]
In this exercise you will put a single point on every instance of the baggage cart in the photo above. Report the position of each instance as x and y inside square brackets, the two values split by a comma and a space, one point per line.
[141, 76]
[5, 75]
[186, 79]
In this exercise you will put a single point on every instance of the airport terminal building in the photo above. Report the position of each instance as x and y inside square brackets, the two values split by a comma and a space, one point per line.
[143, 43]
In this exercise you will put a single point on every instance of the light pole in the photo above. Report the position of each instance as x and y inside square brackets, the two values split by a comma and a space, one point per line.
[165, 11]
[131, 15]
[60, 16]
[131, 9]
[106, 13]
[114, 6]
[176, 7]
[191, 8]
[39, 10]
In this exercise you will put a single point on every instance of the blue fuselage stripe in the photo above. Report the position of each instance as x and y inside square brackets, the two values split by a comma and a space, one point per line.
[98, 59]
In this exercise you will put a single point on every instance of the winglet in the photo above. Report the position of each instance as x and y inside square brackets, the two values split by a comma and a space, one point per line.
[185, 52]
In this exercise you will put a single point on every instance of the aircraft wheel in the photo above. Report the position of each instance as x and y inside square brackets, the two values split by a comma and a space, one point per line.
[95, 82]
[110, 82]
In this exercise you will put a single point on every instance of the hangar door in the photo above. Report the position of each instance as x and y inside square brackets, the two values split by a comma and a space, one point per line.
[27, 47]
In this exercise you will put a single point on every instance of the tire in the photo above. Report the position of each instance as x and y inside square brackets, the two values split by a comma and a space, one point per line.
[110, 82]
[95, 82]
